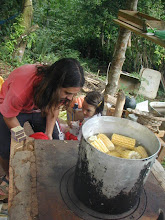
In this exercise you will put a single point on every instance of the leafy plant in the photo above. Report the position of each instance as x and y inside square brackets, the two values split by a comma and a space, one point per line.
[81, 29]
[140, 98]
[161, 94]
[8, 46]
[163, 163]
[63, 115]
[124, 89]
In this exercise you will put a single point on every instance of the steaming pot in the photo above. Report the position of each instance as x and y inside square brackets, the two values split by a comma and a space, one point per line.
[109, 184]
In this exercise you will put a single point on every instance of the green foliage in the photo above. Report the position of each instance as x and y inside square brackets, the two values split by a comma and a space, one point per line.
[96, 35]
[134, 93]
[142, 51]
[103, 78]
[9, 11]
[86, 29]
[139, 98]
[153, 8]
[163, 163]
[127, 92]
[160, 55]
[63, 115]
[66, 31]
[124, 89]
[8, 46]
[81, 29]
[161, 94]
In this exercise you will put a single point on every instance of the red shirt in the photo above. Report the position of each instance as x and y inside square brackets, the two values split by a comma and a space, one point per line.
[16, 94]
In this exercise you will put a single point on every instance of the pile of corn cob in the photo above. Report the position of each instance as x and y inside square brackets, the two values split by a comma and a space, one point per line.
[118, 146]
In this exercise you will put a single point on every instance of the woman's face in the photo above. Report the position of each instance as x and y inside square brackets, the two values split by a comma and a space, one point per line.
[66, 94]
[88, 110]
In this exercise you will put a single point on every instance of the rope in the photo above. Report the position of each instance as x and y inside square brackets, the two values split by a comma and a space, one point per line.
[10, 18]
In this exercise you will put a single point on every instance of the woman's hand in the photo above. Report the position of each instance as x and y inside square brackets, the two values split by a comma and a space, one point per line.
[49, 136]
[51, 118]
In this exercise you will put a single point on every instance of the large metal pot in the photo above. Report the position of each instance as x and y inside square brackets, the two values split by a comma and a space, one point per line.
[109, 184]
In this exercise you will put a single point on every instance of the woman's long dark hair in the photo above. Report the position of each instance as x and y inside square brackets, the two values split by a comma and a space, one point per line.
[64, 73]
[96, 99]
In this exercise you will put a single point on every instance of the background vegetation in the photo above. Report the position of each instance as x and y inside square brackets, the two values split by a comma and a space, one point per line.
[78, 28]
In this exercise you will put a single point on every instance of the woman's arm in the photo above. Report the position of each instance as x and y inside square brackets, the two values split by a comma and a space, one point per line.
[50, 122]
[11, 122]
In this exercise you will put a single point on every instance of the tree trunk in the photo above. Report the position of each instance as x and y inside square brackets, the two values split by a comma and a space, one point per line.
[119, 55]
[27, 15]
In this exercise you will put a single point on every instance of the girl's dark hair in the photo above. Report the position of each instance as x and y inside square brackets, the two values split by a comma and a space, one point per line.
[96, 99]
[64, 73]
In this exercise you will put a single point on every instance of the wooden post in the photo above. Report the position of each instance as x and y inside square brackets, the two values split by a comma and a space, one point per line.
[110, 99]
[129, 41]
[161, 154]
[119, 104]
[159, 173]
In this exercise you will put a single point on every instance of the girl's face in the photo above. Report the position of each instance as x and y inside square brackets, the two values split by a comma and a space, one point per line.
[88, 110]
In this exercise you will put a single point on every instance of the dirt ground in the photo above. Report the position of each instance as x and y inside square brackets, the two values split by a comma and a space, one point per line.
[92, 86]
[4, 69]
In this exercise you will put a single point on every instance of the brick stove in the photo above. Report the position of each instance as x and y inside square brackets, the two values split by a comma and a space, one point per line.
[55, 165]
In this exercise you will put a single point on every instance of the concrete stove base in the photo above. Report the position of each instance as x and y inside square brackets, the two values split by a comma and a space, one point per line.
[55, 161]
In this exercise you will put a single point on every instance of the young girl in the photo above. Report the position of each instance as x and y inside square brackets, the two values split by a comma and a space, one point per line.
[92, 107]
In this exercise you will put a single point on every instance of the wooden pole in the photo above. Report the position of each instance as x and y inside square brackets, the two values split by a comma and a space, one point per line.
[119, 104]
[110, 99]
[119, 54]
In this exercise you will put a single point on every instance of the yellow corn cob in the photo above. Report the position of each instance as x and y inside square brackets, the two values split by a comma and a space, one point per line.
[106, 141]
[114, 153]
[123, 141]
[141, 150]
[98, 143]
[130, 154]
[92, 138]
[119, 149]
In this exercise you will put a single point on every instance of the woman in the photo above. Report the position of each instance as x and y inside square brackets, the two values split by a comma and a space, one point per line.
[35, 94]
